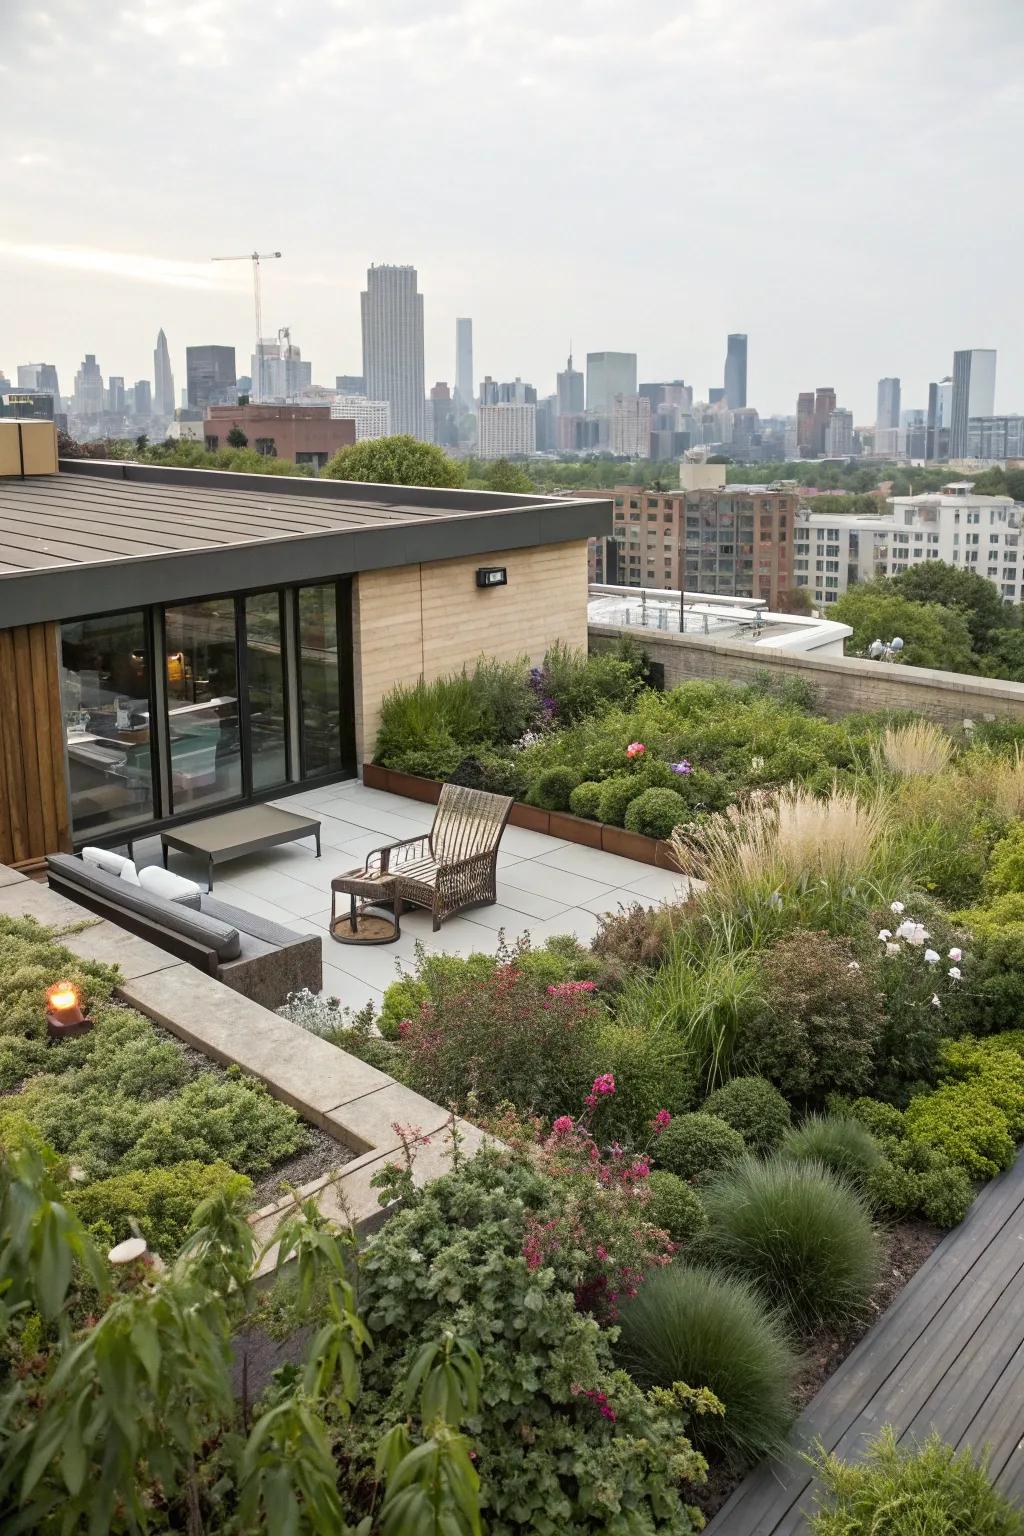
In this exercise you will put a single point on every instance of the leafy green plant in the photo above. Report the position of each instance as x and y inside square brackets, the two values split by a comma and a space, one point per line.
[698, 1146]
[910, 1490]
[801, 1235]
[616, 797]
[675, 1206]
[843, 1146]
[691, 1323]
[160, 1202]
[585, 800]
[752, 1106]
[655, 813]
[553, 789]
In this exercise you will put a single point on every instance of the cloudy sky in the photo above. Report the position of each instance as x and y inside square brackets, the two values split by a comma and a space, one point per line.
[840, 180]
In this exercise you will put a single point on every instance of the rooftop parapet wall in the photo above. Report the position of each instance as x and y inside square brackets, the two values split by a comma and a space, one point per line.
[845, 685]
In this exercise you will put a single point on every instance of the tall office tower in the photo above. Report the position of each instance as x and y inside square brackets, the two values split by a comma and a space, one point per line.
[805, 423]
[115, 394]
[392, 314]
[88, 400]
[142, 398]
[464, 392]
[569, 390]
[489, 390]
[630, 433]
[887, 418]
[40, 377]
[609, 374]
[210, 372]
[839, 434]
[824, 405]
[974, 394]
[163, 388]
[444, 428]
[736, 371]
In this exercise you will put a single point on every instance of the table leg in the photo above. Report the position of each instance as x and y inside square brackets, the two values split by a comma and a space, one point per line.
[209, 876]
[163, 853]
[317, 836]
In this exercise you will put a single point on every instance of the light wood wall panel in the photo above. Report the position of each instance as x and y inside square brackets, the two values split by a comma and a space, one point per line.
[33, 783]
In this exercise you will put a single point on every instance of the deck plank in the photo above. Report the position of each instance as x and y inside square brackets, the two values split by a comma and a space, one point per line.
[948, 1353]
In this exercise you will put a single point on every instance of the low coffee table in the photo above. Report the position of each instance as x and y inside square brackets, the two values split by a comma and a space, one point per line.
[220, 838]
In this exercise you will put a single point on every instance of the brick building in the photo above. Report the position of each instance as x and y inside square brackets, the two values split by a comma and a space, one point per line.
[305, 434]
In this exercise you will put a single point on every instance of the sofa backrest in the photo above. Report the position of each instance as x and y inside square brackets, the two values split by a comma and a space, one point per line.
[198, 928]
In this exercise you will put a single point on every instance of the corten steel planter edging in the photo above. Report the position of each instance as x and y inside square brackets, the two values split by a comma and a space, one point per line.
[559, 824]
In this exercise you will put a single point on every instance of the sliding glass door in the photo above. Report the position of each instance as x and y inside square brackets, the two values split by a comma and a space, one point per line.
[265, 691]
[319, 680]
[203, 725]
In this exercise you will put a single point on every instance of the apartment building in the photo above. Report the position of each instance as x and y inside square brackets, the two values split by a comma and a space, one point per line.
[306, 434]
[506, 431]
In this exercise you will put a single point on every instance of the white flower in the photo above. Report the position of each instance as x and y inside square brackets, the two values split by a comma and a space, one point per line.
[954, 972]
[884, 934]
[853, 966]
[914, 933]
[897, 907]
[931, 956]
[935, 1000]
[956, 956]
[892, 949]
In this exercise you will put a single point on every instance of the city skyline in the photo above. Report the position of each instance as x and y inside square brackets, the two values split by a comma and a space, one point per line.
[514, 247]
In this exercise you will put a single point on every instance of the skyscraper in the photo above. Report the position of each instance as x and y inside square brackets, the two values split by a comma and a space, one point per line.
[569, 388]
[805, 424]
[443, 425]
[210, 372]
[839, 434]
[887, 417]
[41, 377]
[736, 371]
[277, 370]
[824, 405]
[392, 314]
[88, 399]
[609, 374]
[142, 398]
[464, 391]
[974, 394]
[163, 391]
[115, 393]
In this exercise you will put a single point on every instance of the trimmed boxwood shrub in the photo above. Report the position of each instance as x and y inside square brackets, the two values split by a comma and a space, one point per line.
[698, 1146]
[616, 795]
[655, 813]
[160, 1200]
[585, 799]
[798, 1233]
[690, 1323]
[752, 1106]
[675, 1206]
[554, 788]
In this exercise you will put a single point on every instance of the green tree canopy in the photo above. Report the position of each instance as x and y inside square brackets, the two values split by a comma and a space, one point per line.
[933, 581]
[859, 504]
[237, 438]
[400, 460]
[932, 636]
[502, 475]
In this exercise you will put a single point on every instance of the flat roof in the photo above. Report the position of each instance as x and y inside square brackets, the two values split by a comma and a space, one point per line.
[102, 534]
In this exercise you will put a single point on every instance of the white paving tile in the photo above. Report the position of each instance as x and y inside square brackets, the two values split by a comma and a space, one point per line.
[500, 916]
[526, 844]
[524, 903]
[661, 885]
[272, 885]
[611, 901]
[350, 991]
[555, 884]
[593, 863]
[246, 901]
[576, 920]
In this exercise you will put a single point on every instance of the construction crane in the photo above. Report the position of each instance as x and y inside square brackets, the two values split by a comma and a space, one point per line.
[255, 257]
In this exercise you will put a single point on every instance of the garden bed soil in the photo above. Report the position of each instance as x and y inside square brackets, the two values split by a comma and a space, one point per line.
[906, 1246]
[320, 1155]
[560, 824]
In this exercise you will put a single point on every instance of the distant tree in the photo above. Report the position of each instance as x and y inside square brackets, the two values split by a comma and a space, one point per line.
[1015, 484]
[1005, 658]
[502, 475]
[860, 505]
[933, 581]
[932, 636]
[237, 438]
[398, 460]
[141, 443]
[719, 458]
[797, 601]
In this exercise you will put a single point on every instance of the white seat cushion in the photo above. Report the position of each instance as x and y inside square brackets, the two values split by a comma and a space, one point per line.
[103, 858]
[162, 882]
[129, 874]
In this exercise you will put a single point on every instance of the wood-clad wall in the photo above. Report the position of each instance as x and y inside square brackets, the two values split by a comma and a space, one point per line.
[33, 783]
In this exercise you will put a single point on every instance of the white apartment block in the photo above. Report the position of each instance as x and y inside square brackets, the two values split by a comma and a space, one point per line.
[506, 431]
[630, 428]
[977, 533]
[372, 417]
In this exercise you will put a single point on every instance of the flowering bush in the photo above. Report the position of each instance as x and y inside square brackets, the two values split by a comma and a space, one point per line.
[921, 1002]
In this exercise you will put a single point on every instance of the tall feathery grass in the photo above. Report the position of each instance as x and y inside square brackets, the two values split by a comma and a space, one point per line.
[919, 749]
[997, 780]
[796, 858]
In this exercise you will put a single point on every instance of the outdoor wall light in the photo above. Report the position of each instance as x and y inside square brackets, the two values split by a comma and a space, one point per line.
[491, 576]
[64, 1016]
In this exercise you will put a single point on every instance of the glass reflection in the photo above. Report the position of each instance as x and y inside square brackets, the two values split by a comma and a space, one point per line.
[266, 690]
[319, 693]
[202, 703]
[106, 708]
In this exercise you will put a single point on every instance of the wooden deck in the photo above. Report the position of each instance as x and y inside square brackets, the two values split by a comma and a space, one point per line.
[948, 1355]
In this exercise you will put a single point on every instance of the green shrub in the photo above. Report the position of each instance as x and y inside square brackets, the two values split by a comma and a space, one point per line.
[1006, 868]
[655, 813]
[843, 1146]
[818, 1019]
[651, 1072]
[675, 1206]
[583, 685]
[915, 1179]
[880, 1119]
[752, 1106]
[491, 771]
[961, 1120]
[634, 936]
[553, 789]
[911, 1491]
[799, 1233]
[161, 1201]
[698, 1146]
[585, 800]
[945, 1196]
[615, 798]
[691, 1323]
[991, 998]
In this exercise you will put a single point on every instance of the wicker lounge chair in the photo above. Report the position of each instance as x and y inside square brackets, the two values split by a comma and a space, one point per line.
[454, 865]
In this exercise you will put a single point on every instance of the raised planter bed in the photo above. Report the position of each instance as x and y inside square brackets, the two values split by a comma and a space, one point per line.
[560, 824]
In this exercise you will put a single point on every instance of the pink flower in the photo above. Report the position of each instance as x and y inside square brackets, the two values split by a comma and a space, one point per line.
[635, 749]
[661, 1121]
[602, 1253]
[563, 1126]
[591, 1101]
[605, 1084]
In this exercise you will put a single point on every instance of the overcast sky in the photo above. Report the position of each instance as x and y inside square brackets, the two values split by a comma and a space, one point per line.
[840, 180]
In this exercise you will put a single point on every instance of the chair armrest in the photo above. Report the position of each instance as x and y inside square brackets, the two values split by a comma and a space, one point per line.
[378, 860]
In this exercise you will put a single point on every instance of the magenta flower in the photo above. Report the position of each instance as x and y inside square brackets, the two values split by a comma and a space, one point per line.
[563, 1126]
[661, 1121]
[635, 749]
[605, 1084]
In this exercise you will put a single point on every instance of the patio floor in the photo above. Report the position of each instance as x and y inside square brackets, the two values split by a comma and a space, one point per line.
[545, 886]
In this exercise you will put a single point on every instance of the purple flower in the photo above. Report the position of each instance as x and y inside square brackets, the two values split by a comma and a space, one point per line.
[683, 766]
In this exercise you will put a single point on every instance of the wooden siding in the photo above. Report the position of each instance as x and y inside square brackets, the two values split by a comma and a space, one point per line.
[33, 784]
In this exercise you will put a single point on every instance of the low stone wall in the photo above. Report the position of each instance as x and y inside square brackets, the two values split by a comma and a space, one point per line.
[845, 685]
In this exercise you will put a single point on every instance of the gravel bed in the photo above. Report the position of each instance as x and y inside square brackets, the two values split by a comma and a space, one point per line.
[320, 1155]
